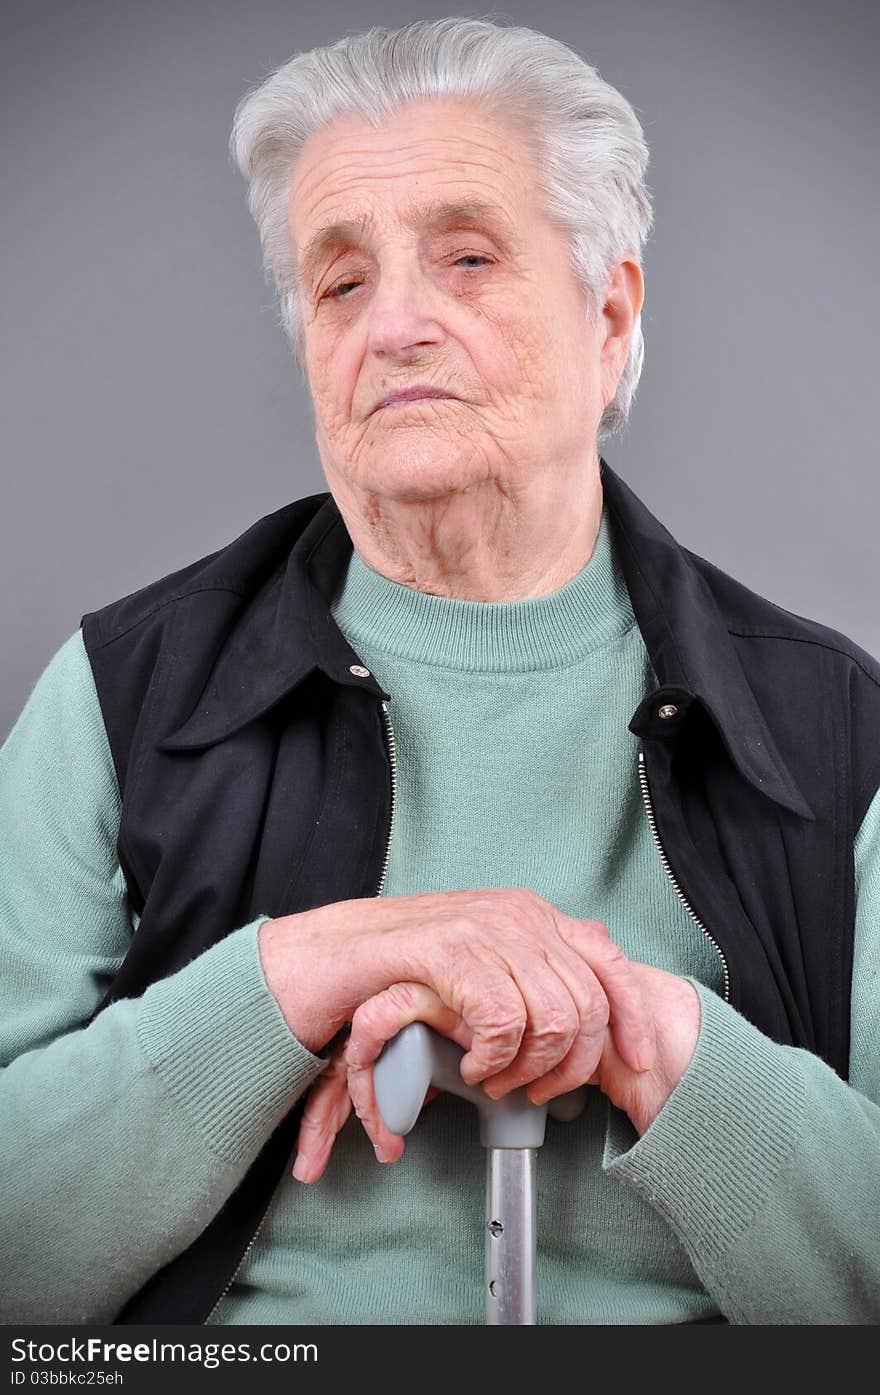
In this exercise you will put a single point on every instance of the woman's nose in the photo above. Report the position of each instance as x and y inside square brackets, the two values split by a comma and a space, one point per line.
[403, 310]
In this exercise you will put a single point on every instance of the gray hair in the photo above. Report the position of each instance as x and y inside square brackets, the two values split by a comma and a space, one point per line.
[588, 145]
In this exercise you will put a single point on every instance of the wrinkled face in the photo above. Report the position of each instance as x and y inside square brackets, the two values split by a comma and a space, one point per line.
[425, 262]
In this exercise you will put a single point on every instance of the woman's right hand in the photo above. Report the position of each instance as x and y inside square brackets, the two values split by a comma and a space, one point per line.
[535, 988]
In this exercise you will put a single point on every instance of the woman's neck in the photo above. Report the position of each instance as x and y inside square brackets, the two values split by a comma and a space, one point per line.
[482, 543]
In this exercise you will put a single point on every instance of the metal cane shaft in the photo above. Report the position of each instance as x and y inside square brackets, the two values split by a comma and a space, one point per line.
[510, 1236]
[511, 1130]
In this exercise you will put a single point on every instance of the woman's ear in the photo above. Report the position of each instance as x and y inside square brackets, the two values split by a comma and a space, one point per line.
[623, 303]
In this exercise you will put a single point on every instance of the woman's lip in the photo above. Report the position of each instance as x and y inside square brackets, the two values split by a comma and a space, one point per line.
[413, 394]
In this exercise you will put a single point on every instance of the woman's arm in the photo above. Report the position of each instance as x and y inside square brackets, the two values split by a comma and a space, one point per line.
[120, 1140]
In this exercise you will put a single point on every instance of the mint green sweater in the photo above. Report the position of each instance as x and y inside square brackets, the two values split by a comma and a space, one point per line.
[752, 1195]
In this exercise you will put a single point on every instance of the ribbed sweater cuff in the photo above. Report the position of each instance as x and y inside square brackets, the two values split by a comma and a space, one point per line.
[220, 1043]
[711, 1157]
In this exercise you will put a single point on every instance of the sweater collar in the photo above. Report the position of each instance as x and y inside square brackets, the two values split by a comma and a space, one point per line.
[287, 629]
[588, 612]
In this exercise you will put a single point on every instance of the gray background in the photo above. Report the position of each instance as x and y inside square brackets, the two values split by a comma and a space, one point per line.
[151, 409]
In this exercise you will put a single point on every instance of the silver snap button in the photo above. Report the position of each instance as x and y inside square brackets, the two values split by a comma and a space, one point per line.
[668, 709]
[359, 671]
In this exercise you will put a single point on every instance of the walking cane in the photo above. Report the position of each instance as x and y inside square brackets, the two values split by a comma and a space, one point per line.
[511, 1130]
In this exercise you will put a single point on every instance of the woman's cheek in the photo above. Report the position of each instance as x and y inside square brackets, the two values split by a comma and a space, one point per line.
[328, 386]
[531, 363]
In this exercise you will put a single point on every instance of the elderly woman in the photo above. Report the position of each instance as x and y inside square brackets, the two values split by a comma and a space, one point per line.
[469, 739]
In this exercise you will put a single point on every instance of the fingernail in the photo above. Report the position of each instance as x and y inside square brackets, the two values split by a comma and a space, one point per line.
[646, 1055]
[301, 1168]
[383, 1154]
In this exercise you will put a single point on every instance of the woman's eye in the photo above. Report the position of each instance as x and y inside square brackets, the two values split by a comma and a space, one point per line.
[341, 288]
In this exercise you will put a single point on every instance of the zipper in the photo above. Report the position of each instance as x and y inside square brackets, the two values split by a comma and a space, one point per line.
[392, 757]
[652, 823]
[250, 1246]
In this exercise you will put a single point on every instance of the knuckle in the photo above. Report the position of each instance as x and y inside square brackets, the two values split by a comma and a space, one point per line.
[591, 939]
[599, 927]
[526, 896]
[356, 1073]
[311, 1125]
[558, 1080]
[555, 1028]
[588, 929]
[505, 1029]
[503, 1033]
[595, 1016]
[516, 901]
[364, 1017]
[613, 956]
[402, 995]
[358, 1018]
[362, 1109]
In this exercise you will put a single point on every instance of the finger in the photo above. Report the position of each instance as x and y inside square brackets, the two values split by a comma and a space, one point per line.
[480, 989]
[374, 1023]
[580, 1067]
[576, 1053]
[521, 1014]
[630, 1018]
[522, 1017]
[599, 966]
[566, 1008]
[385, 1014]
[326, 1111]
[480, 1009]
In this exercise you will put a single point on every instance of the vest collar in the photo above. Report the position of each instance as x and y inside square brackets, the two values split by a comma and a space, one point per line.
[690, 648]
[287, 631]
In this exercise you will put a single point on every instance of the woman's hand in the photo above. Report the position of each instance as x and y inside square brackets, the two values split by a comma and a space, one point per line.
[348, 1080]
[536, 987]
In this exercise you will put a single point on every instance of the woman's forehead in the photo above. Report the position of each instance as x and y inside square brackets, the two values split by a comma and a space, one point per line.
[426, 154]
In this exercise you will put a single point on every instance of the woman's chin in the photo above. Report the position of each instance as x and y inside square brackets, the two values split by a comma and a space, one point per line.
[409, 470]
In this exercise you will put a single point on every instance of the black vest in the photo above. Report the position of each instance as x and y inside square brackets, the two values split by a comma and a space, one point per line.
[255, 780]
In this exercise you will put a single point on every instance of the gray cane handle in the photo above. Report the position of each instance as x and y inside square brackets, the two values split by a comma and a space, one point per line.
[418, 1057]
